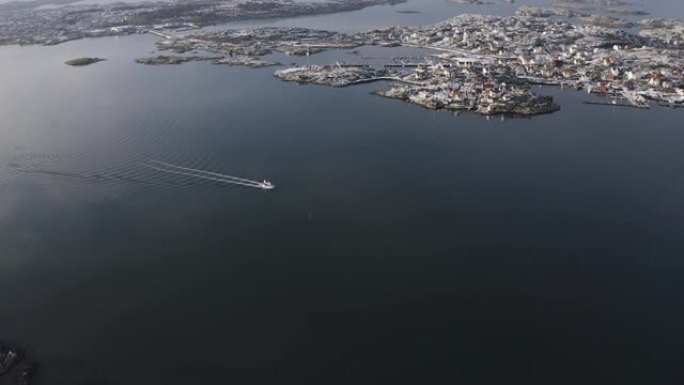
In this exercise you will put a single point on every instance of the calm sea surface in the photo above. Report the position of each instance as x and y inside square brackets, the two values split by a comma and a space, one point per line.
[400, 245]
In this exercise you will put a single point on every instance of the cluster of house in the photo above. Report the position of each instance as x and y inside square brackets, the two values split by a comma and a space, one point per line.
[337, 75]
[546, 51]
[433, 85]
[31, 24]
[487, 63]
[261, 41]
[62, 24]
[438, 85]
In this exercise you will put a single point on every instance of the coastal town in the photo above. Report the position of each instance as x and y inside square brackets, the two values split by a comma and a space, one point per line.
[486, 64]
[486, 61]
[27, 23]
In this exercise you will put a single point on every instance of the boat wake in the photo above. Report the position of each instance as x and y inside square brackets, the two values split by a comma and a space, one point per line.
[121, 161]
[207, 175]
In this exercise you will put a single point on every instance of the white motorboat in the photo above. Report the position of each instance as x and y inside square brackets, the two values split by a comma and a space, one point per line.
[266, 185]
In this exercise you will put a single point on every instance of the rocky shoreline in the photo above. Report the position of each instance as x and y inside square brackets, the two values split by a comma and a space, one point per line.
[478, 63]
[491, 97]
[334, 75]
[174, 59]
[84, 61]
[12, 362]
[218, 60]
[515, 103]
[481, 63]
[49, 26]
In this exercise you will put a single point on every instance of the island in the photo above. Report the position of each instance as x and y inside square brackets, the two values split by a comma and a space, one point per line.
[480, 63]
[83, 61]
[246, 61]
[29, 24]
[336, 75]
[174, 59]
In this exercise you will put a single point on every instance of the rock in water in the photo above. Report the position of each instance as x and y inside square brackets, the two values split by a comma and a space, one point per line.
[83, 61]
[9, 358]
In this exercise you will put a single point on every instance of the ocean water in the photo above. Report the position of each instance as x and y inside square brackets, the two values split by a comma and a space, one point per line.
[400, 244]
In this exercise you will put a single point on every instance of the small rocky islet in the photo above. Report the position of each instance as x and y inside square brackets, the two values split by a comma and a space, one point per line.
[83, 61]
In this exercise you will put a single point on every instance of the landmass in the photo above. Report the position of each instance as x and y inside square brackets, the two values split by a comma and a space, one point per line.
[583, 8]
[84, 61]
[338, 75]
[606, 21]
[26, 25]
[526, 10]
[669, 31]
[174, 59]
[246, 62]
[177, 59]
[30, 4]
[490, 98]
[478, 2]
[260, 42]
[484, 64]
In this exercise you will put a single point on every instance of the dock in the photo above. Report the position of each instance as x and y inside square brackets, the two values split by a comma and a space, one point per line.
[618, 104]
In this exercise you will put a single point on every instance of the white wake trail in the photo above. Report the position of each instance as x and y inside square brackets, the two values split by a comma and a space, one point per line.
[207, 172]
[228, 181]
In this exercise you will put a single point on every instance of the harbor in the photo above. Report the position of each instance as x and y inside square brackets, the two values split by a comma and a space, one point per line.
[477, 63]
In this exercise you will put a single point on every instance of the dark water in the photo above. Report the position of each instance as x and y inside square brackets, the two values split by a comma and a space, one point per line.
[400, 245]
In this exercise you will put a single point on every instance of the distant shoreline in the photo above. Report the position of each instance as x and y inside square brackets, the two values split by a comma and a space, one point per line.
[23, 26]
